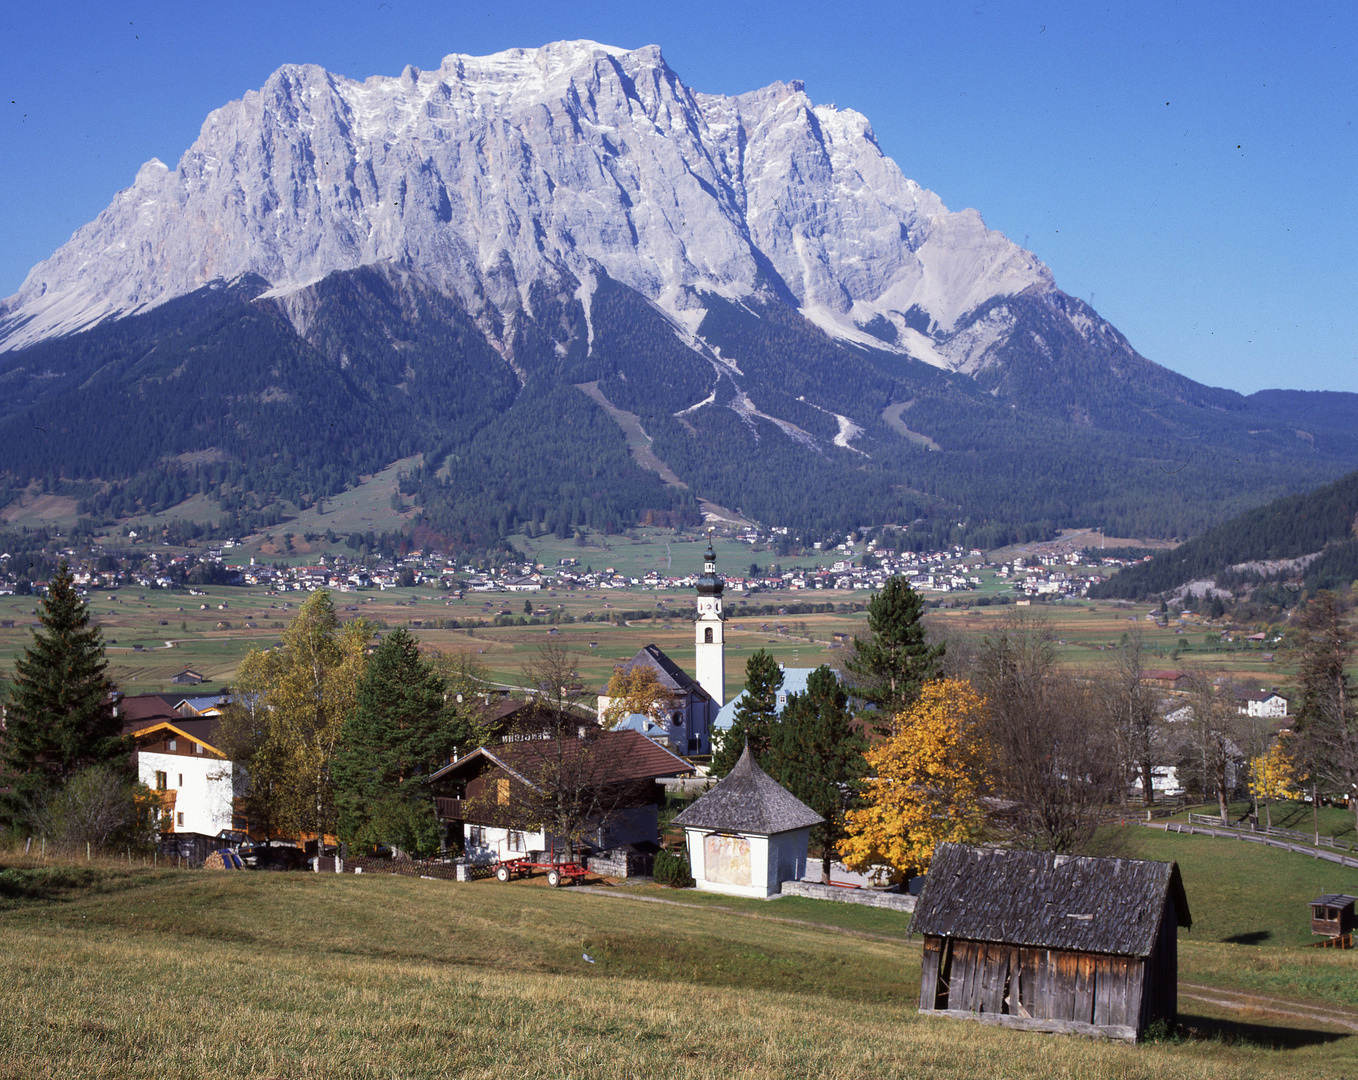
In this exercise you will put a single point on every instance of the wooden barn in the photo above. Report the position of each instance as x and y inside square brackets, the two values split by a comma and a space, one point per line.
[1051, 942]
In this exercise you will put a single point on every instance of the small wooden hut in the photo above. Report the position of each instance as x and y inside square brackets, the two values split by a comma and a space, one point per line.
[1332, 914]
[1051, 942]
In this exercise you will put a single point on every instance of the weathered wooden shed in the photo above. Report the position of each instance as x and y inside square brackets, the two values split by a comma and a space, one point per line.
[1051, 942]
[1332, 914]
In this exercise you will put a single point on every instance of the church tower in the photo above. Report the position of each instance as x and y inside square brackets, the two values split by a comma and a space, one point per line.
[709, 644]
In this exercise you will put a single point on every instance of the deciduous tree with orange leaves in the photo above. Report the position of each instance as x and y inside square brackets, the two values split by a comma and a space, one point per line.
[926, 783]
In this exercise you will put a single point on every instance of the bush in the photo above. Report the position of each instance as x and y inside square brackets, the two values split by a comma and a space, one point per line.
[99, 807]
[672, 869]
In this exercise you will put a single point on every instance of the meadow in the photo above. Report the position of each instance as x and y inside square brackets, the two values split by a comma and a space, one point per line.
[151, 634]
[113, 970]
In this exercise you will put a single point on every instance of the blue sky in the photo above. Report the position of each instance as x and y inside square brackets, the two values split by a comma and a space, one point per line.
[1187, 168]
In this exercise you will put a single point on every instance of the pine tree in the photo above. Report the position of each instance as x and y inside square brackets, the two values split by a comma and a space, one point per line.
[897, 660]
[400, 732]
[755, 715]
[817, 754]
[60, 717]
[1327, 718]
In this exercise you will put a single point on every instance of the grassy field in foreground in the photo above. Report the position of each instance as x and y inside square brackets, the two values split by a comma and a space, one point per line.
[137, 973]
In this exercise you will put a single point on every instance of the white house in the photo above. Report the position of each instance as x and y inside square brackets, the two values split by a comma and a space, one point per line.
[176, 757]
[1264, 704]
[748, 834]
[489, 798]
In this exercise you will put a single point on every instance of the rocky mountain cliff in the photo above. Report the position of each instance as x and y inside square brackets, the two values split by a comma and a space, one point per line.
[589, 295]
[494, 175]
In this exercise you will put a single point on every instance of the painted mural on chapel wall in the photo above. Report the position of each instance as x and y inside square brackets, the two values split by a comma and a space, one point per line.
[726, 859]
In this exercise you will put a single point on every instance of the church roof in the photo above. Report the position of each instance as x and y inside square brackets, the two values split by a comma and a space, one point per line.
[710, 583]
[670, 675]
[794, 682]
[749, 800]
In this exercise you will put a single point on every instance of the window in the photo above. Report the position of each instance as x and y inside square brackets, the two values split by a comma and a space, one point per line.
[502, 792]
[162, 781]
[181, 779]
[179, 819]
[197, 748]
[476, 836]
[707, 636]
[515, 840]
[174, 744]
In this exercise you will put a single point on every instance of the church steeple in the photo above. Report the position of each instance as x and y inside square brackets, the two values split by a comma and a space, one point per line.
[709, 640]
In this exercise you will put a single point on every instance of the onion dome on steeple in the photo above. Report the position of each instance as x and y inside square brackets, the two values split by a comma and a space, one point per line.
[710, 584]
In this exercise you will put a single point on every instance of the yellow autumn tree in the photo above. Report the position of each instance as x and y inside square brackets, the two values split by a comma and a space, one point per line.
[291, 706]
[638, 690]
[926, 783]
[1273, 775]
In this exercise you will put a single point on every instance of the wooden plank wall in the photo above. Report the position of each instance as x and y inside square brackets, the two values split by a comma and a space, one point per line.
[1161, 998]
[1048, 984]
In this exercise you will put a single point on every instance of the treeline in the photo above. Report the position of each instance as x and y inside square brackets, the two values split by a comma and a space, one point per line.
[1320, 521]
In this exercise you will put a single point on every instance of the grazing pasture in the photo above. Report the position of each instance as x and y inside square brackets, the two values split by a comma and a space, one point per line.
[121, 971]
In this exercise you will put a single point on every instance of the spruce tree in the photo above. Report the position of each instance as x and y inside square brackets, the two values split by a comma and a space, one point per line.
[755, 715]
[60, 718]
[400, 732]
[1327, 718]
[896, 661]
[817, 754]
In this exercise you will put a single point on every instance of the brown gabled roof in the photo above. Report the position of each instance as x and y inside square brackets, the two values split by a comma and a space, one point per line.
[747, 799]
[1043, 900]
[616, 757]
[138, 710]
[145, 713]
[198, 731]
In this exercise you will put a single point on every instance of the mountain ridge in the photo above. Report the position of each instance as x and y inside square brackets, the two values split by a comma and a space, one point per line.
[464, 175]
[338, 275]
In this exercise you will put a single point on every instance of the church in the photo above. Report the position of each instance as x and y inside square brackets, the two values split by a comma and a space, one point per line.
[686, 728]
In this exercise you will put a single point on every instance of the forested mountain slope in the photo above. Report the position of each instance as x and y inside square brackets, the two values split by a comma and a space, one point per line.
[1309, 541]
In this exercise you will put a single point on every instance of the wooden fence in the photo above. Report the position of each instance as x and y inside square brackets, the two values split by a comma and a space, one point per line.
[1297, 835]
[1218, 830]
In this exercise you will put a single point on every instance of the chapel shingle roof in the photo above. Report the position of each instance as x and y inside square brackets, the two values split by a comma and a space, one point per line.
[748, 800]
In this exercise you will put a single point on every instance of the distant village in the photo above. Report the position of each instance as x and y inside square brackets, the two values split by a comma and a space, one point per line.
[861, 567]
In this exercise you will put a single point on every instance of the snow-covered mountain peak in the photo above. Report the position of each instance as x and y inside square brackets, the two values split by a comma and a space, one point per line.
[492, 175]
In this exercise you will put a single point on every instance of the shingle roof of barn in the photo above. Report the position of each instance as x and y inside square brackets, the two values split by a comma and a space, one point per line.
[749, 800]
[1048, 901]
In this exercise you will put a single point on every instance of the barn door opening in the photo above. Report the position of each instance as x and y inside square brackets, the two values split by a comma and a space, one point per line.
[944, 975]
